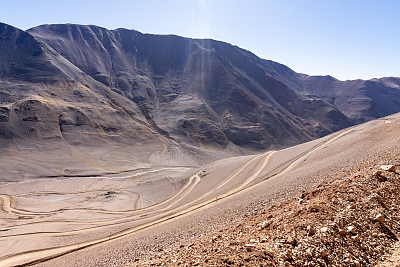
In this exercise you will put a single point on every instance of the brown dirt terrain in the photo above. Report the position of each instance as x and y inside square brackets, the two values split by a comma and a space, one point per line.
[229, 199]
[333, 224]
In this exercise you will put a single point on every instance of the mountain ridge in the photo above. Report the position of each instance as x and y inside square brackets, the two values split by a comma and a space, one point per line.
[184, 51]
[192, 100]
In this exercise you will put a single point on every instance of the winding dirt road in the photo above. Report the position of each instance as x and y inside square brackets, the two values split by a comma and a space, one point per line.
[247, 175]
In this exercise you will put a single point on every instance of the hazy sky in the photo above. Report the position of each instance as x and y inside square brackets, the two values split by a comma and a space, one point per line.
[347, 39]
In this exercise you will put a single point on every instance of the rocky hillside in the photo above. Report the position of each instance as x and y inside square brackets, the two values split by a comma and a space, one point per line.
[199, 91]
[67, 90]
[359, 100]
[349, 220]
[48, 107]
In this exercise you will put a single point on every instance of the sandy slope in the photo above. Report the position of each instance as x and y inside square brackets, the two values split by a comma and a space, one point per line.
[311, 228]
[100, 221]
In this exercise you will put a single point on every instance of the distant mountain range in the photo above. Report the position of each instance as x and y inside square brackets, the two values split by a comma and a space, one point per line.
[87, 86]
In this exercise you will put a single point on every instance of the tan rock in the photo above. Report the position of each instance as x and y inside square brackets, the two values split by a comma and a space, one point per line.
[351, 229]
[379, 218]
[324, 229]
[249, 247]
[291, 240]
[390, 168]
[287, 255]
[310, 230]
[377, 172]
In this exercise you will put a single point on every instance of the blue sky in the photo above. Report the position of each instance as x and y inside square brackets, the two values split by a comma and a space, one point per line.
[347, 39]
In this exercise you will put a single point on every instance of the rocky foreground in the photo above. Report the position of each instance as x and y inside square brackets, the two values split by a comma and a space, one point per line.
[351, 220]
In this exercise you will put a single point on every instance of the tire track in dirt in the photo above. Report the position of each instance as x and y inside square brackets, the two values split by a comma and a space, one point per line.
[36, 256]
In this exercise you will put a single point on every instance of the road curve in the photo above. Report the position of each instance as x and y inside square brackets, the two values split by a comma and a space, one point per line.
[172, 210]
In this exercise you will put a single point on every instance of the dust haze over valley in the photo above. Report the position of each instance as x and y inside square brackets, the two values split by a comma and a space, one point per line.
[115, 138]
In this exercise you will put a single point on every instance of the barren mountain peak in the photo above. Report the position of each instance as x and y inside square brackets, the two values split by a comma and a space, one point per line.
[119, 139]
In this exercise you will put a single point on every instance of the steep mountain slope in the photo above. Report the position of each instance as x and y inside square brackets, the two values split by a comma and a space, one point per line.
[199, 91]
[56, 120]
[360, 100]
[103, 100]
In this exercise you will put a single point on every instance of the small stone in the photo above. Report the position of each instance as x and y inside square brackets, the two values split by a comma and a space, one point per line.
[264, 240]
[390, 168]
[249, 247]
[287, 255]
[309, 253]
[351, 229]
[377, 197]
[379, 218]
[265, 224]
[377, 172]
[323, 253]
[355, 238]
[310, 230]
[289, 240]
[324, 229]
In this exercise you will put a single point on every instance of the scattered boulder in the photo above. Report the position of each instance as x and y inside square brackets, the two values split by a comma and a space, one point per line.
[287, 255]
[351, 229]
[300, 200]
[390, 168]
[310, 230]
[379, 218]
[355, 238]
[291, 240]
[249, 247]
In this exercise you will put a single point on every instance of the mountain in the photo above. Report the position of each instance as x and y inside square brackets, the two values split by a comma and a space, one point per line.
[101, 100]
[359, 100]
[200, 91]
[55, 119]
